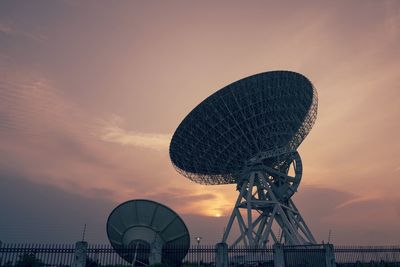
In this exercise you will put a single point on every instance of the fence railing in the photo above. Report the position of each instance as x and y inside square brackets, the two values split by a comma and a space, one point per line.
[251, 256]
[203, 255]
[37, 254]
[310, 256]
[63, 255]
[367, 254]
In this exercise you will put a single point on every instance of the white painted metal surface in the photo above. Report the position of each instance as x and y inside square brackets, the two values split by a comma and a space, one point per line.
[145, 224]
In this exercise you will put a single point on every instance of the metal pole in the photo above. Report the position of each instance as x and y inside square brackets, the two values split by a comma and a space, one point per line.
[134, 257]
[198, 238]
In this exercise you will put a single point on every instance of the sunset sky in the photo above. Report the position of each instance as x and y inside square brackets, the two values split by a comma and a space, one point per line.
[91, 93]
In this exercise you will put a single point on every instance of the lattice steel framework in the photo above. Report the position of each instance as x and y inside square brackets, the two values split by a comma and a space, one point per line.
[248, 133]
[260, 116]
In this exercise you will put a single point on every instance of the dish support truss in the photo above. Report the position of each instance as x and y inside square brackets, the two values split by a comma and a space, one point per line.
[261, 202]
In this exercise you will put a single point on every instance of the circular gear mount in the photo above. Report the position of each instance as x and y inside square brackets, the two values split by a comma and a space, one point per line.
[284, 178]
[283, 174]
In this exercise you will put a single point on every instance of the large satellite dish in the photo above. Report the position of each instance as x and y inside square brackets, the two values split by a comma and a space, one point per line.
[141, 232]
[247, 134]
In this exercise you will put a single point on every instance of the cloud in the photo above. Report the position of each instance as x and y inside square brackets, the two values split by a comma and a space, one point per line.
[367, 197]
[9, 30]
[62, 219]
[199, 200]
[48, 214]
[114, 133]
[46, 137]
[328, 200]
[371, 221]
[392, 18]
[5, 29]
[353, 218]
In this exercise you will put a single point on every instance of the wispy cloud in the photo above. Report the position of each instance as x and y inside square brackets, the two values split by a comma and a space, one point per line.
[113, 132]
[5, 29]
[200, 200]
[359, 199]
[9, 29]
[29, 103]
[47, 137]
[392, 18]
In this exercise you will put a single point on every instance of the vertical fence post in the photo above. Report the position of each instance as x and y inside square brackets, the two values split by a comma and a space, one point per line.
[80, 254]
[279, 256]
[1, 254]
[221, 258]
[329, 255]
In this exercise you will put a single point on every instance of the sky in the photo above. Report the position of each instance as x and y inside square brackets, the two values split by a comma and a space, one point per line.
[92, 91]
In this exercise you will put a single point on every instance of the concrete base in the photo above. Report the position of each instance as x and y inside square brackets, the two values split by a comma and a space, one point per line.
[329, 255]
[221, 258]
[279, 256]
[80, 254]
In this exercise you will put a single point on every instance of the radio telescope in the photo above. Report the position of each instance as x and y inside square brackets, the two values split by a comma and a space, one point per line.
[247, 134]
[141, 232]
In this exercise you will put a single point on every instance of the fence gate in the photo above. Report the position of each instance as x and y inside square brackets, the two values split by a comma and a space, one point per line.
[305, 256]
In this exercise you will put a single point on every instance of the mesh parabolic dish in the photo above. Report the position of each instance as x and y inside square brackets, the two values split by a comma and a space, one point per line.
[263, 115]
[144, 222]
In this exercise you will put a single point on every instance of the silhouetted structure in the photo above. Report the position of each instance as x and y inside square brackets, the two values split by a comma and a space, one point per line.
[141, 231]
[248, 133]
[62, 255]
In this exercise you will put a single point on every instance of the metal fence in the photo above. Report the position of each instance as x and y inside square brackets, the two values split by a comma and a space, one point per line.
[37, 255]
[304, 256]
[349, 256]
[242, 256]
[200, 255]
